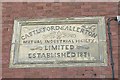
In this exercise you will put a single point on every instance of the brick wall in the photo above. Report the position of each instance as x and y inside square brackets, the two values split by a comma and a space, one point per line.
[119, 40]
[10, 11]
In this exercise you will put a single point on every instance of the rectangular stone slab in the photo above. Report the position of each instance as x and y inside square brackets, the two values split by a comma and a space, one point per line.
[59, 42]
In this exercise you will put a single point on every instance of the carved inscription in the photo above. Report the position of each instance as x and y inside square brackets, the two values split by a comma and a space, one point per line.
[58, 44]
[60, 41]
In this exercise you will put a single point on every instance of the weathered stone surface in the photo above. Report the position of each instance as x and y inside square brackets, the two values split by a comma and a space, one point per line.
[59, 42]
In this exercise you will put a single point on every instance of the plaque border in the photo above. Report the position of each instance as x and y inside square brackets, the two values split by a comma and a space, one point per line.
[100, 20]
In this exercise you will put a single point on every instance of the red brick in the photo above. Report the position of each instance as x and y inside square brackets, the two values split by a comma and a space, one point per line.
[35, 10]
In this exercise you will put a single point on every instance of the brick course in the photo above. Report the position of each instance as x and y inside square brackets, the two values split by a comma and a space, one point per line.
[10, 11]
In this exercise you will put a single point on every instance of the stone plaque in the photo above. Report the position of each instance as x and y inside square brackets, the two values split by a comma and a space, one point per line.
[59, 42]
